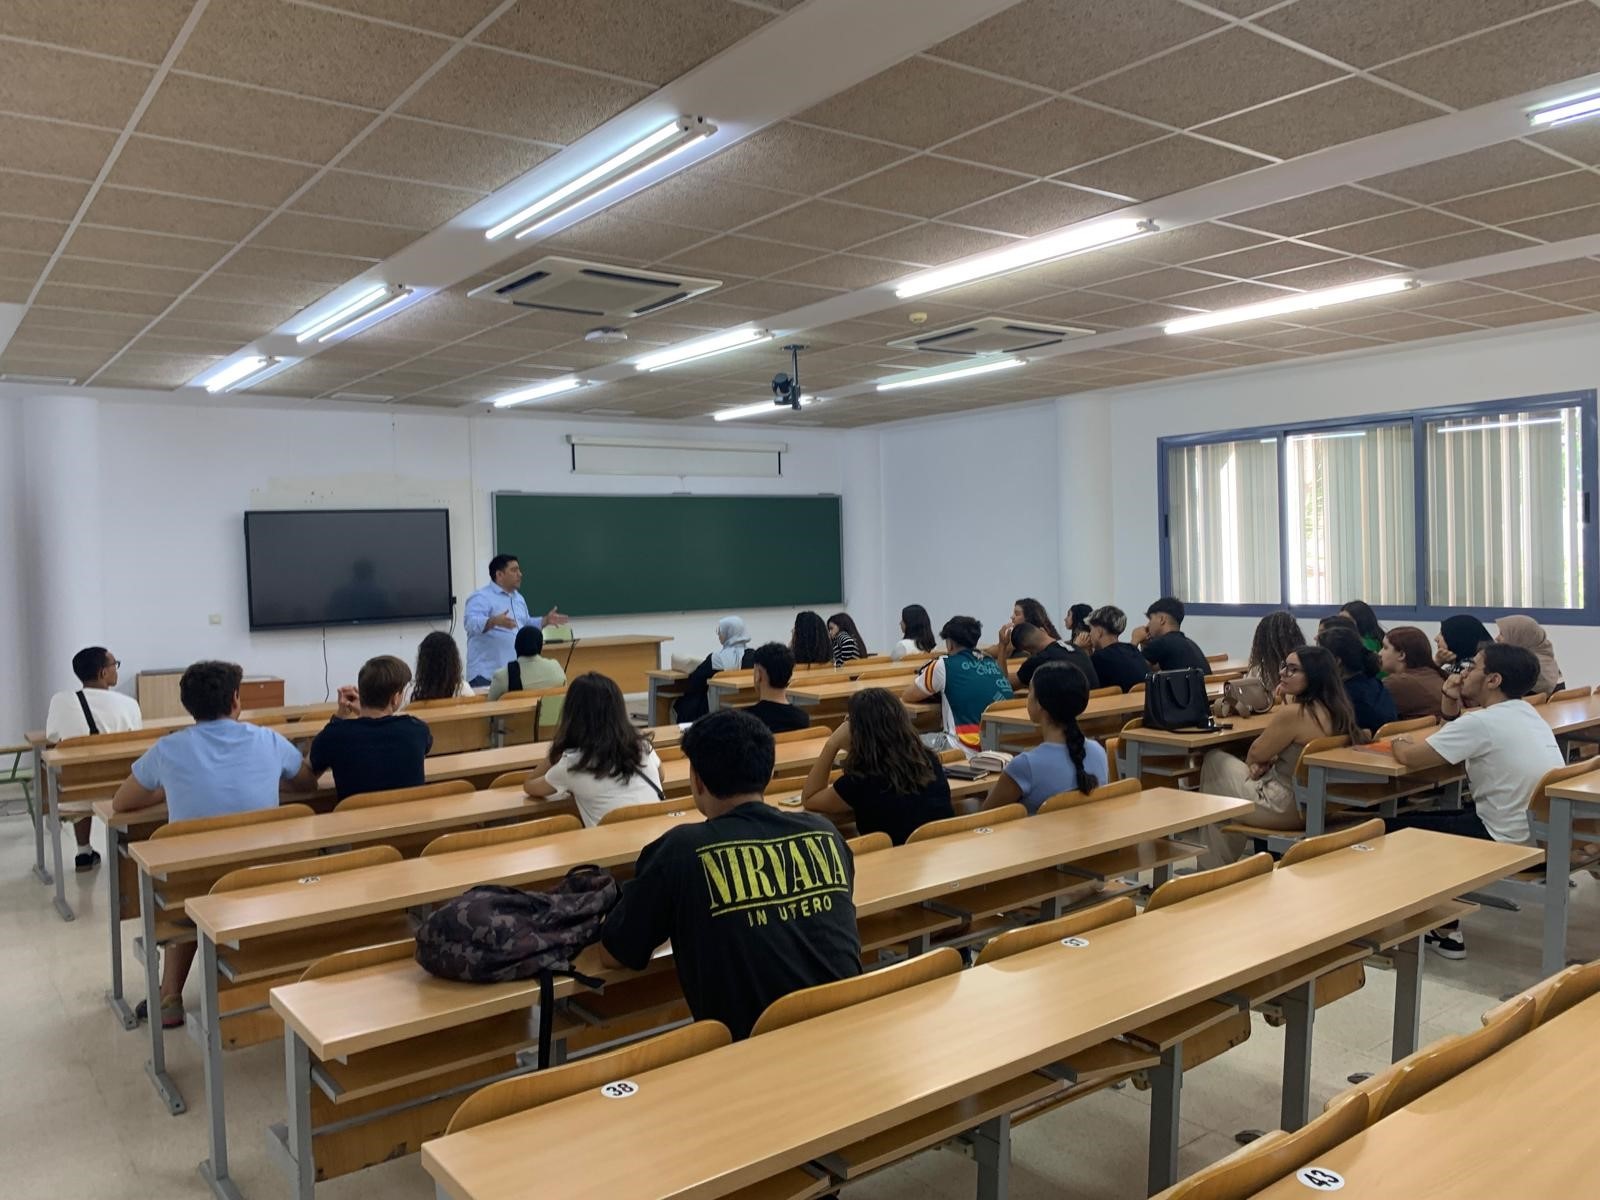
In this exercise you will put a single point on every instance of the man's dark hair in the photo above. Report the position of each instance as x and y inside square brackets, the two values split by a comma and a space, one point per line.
[731, 751]
[207, 689]
[380, 679]
[530, 641]
[1338, 621]
[777, 660]
[1170, 605]
[87, 664]
[499, 563]
[963, 631]
[1348, 649]
[1518, 669]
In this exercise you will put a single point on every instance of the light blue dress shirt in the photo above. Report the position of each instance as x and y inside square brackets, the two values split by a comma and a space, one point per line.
[490, 649]
[217, 767]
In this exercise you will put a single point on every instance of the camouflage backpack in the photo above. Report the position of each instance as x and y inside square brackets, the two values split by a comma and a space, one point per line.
[493, 934]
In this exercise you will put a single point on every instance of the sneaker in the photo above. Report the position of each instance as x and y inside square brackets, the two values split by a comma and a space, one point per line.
[1449, 943]
[87, 860]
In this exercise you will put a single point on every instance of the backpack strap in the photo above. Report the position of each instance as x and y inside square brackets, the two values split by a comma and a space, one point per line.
[513, 676]
[547, 1006]
[83, 703]
[652, 785]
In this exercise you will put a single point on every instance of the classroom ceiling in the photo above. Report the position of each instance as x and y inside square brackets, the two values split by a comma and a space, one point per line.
[180, 185]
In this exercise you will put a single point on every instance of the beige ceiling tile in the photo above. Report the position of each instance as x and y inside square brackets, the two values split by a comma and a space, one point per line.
[656, 42]
[503, 93]
[406, 149]
[1381, 323]
[927, 187]
[1155, 285]
[286, 264]
[1161, 168]
[1267, 260]
[1211, 78]
[930, 244]
[1339, 345]
[1329, 274]
[1178, 246]
[799, 157]
[291, 293]
[1035, 208]
[227, 313]
[612, 236]
[1463, 174]
[63, 295]
[1367, 32]
[1328, 116]
[1579, 140]
[844, 271]
[1011, 292]
[154, 370]
[40, 316]
[43, 82]
[1522, 316]
[1317, 211]
[1396, 229]
[326, 235]
[1069, 306]
[455, 17]
[1471, 310]
[25, 233]
[52, 148]
[1549, 48]
[919, 102]
[35, 196]
[686, 200]
[1558, 227]
[15, 264]
[385, 201]
[310, 51]
[827, 225]
[1557, 194]
[1544, 276]
[735, 255]
[1051, 137]
[160, 281]
[15, 291]
[1060, 44]
[1436, 293]
[248, 119]
[1228, 295]
[1436, 252]
[77, 366]
[156, 344]
[159, 213]
[87, 25]
[1131, 315]
[212, 174]
[775, 296]
[122, 245]
[1572, 290]
[56, 339]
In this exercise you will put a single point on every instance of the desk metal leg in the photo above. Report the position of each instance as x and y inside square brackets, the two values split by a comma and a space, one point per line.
[1557, 867]
[1132, 764]
[988, 736]
[214, 1170]
[36, 811]
[1299, 1010]
[1166, 1089]
[652, 703]
[296, 1144]
[991, 1145]
[53, 828]
[156, 1068]
[1316, 801]
[1407, 957]
[116, 847]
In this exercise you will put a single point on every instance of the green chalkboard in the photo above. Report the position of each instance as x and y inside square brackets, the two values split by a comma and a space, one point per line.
[611, 555]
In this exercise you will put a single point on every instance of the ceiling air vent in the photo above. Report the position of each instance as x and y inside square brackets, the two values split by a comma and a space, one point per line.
[988, 335]
[565, 285]
[43, 380]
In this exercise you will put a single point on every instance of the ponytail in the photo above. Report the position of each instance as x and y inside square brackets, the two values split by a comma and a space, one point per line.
[1075, 751]
[1063, 692]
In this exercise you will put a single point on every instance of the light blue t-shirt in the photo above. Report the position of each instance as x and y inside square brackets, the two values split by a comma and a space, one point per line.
[1046, 771]
[217, 767]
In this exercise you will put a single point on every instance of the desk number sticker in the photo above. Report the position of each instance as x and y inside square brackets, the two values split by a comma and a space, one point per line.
[620, 1089]
[1320, 1179]
[983, 829]
[311, 879]
[1361, 846]
[1076, 943]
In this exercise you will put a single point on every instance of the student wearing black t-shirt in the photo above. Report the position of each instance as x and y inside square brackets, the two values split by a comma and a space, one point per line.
[1041, 648]
[1115, 662]
[773, 667]
[1163, 643]
[891, 783]
[756, 902]
[369, 744]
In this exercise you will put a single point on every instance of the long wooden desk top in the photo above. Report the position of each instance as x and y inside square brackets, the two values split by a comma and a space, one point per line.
[1129, 704]
[1520, 1123]
[726, 681]
[1241, 729]
[356, 1011]
[843, 689]
[1585, 788]
[611, 639]
[730, 1118]
[276, 715]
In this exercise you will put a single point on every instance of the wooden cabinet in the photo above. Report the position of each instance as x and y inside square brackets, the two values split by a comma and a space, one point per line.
[158, 692]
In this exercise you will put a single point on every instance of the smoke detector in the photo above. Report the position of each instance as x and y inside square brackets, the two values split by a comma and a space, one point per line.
[606, 335]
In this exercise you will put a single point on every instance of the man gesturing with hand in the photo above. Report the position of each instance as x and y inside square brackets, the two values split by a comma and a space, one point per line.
[494, 614]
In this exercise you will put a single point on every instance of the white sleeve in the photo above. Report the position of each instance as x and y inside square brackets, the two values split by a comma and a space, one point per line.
[59, 724]
[1460, 739]
[559, 776]
[930, 680]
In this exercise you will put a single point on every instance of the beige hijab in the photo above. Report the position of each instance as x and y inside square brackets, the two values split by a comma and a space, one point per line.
[1530, 635]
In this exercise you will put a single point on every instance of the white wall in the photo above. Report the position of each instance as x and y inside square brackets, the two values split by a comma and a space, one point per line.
[14, 665]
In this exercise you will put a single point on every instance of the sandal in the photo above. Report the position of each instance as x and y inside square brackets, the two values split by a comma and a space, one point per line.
[87, 860]
[171, 1012]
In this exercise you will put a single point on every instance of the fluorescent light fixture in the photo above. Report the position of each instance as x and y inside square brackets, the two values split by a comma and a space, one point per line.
[539, 391]
[656, 147]
[1565, 111]
[239, 372]
[717, 343]
[1024, 254]
[364, 312]
[1297, 302]
[369, 299]
[759, 409]
[1499, 426]
[912, 379]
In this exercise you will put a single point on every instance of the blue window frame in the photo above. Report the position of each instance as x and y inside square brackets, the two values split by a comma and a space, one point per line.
[1467, 525]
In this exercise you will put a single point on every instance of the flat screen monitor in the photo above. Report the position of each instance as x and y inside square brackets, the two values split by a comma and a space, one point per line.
[347, 566]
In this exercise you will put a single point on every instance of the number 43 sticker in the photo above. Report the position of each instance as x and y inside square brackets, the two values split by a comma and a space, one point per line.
[620, 1089]
[1320, 1179]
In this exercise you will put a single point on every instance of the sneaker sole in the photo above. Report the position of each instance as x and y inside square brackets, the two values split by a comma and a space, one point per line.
[1448, 952]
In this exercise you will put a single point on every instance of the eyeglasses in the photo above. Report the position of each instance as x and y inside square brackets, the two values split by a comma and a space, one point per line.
[1291, 669]
[116, 662]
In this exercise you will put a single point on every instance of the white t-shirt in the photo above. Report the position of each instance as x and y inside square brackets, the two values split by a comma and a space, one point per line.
[596, 796]
[904, 648]
[1507, 748]
[113, 713]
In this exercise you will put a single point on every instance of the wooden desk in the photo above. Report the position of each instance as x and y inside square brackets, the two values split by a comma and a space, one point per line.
[625, 658]
[1571, 802]
[1140, 745]
[727, 689]
[662, 690]
[1363, 765]
[1108, 713]
[814, 694]
[1509, 1126]
[740, 1114]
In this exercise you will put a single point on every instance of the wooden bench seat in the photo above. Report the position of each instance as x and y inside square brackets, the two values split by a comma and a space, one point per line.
[430, 1056]
[291, 953]
[903, 925]
[1132, 860]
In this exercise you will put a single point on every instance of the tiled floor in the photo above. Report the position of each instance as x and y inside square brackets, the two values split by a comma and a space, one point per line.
[80, 1119]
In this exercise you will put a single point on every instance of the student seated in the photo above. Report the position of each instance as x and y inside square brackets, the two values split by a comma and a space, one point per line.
[773, 667]
[1369, 699]
[216, 766]
[530, 670]
[1315, 706]
[597, 756]
[844, 639]
[1413, 680]
[439, 672]
[756, 902]
[1037, 645]
[1507, 748]
[1078, 626]
[1366, 622]
[1064, 760]
[916, 634]
[732, 654]
[1458, 640]
[93, 708]
[1530, 635]
[1024, 611]
[892, 783]
[1276, 635]
[1162, 641]
[1337, 621]
[1116, 663]
[370, 745]
[809, 641]
[966, 682]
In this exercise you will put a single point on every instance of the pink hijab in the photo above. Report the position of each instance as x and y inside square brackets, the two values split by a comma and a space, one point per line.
[1530, 635]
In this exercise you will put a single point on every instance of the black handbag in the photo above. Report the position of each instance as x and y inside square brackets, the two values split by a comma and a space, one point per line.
[1177, 700]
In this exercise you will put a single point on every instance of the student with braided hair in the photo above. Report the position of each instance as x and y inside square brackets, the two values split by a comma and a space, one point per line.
[1064, 760]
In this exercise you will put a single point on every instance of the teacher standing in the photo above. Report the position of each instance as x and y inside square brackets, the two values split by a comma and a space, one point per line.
[494, 614]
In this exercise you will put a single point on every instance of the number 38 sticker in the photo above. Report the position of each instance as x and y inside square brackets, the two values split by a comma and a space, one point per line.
[1320, 1179]
[619, 1089]
[1075, 942]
